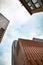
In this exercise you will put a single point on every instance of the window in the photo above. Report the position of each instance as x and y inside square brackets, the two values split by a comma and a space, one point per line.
[29, 4]
[26, 1]
[42, 0]
[34, 1]
[37, 5]
[31, 8]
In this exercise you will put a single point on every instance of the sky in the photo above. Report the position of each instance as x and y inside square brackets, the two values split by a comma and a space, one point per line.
[22, 25]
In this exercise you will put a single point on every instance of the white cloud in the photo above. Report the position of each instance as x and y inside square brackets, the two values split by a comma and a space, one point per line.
[6, 58]
[18, 16]
[13, 10]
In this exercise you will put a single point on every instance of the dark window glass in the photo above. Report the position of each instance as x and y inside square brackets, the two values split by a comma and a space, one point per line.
[26, 1]
[34, 1]
[37, 5]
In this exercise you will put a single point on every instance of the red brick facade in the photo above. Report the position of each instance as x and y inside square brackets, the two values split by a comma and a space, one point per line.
[28, 52]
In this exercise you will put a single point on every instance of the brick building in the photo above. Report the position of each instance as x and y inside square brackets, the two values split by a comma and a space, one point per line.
[3, 25]
[28, 52]
[37, 39]
[33, 6]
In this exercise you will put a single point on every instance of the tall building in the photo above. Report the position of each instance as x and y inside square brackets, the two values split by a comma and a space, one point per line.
[37, 39]
[28, 52]
[3, 25]
[14, 45]
[33, 6]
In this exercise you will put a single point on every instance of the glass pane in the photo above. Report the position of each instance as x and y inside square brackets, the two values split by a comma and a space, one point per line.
[34, 1]
[37, 5]
[42, 0]
[27, 1]
[31, 8]
[29, 4]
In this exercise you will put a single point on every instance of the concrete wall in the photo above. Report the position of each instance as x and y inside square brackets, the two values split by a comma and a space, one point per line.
[3, 22]
[3, 25]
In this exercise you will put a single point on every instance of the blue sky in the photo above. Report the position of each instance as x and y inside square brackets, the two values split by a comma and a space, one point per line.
[22, 25]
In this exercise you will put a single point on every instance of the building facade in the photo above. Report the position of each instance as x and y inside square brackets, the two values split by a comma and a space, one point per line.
[14, 45]
[28, 52]
[33, 6]
[38, 40]
[3, 25]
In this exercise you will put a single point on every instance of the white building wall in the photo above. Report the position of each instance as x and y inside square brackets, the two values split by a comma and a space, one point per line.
[3, 22]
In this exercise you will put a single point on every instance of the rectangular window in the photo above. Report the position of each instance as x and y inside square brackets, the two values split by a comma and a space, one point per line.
[42, 0]
[26, 1]
[37, 5]
[34, 1]
[29, 4]
[31, 8]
